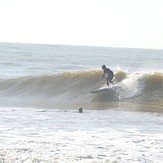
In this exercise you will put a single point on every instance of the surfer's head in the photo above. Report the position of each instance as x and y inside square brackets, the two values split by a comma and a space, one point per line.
[80, 110]
[103, 67]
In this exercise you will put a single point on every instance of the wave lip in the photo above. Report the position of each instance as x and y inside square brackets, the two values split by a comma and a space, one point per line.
[73, 89]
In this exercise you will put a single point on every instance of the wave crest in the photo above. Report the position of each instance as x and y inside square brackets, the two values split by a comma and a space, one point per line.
[73, 89]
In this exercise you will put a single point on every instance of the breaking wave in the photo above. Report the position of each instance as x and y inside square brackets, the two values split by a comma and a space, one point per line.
[139, 90]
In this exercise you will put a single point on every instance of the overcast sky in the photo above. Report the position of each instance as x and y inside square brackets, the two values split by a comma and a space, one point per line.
[112, 23]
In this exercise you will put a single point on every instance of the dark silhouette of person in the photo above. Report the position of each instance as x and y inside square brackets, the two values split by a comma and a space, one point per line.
[110, 74]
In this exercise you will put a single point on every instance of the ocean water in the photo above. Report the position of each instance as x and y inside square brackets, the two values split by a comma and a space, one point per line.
[43, 86]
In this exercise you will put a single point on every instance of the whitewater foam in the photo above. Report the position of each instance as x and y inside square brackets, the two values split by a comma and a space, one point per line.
[31, 135]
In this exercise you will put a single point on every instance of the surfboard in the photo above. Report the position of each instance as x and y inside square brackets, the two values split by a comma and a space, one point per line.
[112, 89]
[103, 90]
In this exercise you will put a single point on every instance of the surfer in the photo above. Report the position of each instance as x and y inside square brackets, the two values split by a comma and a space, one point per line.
[110, 74]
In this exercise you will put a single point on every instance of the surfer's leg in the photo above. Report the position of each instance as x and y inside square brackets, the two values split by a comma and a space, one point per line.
[107, 82]
[110, 79]
[111, 82]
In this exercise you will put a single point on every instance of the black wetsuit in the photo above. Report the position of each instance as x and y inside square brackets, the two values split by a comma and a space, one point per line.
[110, 75]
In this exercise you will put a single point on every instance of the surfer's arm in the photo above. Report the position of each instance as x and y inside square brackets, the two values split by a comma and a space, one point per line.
[102, 75]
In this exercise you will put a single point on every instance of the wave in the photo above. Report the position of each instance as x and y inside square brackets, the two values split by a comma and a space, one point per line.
[136, 90]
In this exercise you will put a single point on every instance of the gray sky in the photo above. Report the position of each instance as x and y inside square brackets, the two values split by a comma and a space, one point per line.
[112, 23]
